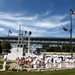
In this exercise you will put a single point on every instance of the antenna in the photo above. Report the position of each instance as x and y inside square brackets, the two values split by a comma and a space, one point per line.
[20, 29]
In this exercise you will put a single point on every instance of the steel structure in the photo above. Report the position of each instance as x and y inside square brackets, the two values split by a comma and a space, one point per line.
[40, 40]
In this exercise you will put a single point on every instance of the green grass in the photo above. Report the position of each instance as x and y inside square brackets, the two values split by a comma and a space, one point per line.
[7, 66]
[8, 62]
[1, 66]
[55, 72]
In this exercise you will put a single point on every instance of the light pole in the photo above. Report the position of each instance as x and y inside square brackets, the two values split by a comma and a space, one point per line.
[71, 48]
[71, 13]
[24, 46]
[25, 37]
[71, 32]
[29, 41]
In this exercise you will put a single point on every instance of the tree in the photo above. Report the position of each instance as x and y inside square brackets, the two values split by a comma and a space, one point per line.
[5, 46]
[45, 46]
[51, 49]
[0, 47]
[73, 48]
[54, 49]
[57, 49]
[66, 48]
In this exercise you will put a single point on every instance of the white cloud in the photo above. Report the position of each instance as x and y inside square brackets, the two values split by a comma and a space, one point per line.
[8, 24]
[32, 23]
[16, 17]
[2, 29]
[47, 12]
[52, 22]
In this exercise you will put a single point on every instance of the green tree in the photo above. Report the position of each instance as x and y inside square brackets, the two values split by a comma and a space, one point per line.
[5, 46]
[73, 48]
[45, 46]
[51, 49]
[0, 48]
[57, 49]
[66, 48]
[54, 49]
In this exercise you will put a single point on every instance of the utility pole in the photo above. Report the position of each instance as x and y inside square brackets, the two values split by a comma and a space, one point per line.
[71, 48]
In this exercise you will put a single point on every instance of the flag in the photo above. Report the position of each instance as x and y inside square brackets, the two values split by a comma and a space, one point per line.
[10, 31]
[72, 12]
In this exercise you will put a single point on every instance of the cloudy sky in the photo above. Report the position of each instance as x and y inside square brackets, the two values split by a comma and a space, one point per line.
[44, 18]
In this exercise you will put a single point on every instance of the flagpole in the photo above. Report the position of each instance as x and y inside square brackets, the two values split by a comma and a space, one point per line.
[8, 34]
[71, 48]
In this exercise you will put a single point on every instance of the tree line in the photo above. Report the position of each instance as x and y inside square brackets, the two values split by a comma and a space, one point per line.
[5, 46]
[57, 48]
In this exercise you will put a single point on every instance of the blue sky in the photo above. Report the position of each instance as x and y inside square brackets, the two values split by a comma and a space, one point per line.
[43, 17]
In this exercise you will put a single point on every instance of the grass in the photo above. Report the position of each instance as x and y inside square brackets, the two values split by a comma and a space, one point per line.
[8, 62]
[55, 72]
[7, 66]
